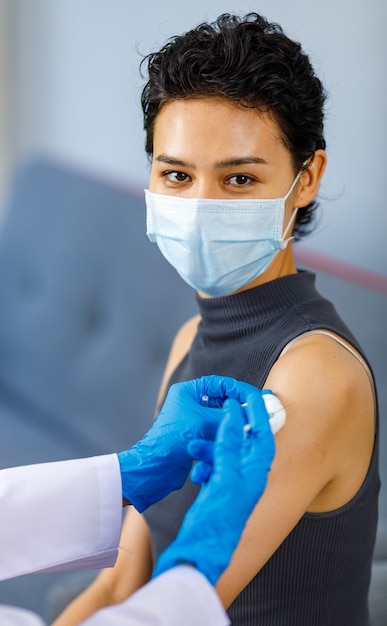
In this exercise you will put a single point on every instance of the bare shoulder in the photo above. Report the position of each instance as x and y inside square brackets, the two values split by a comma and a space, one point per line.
[182, 342]
[321, 367]
[180, 347]
[186, 333]
[331, 402]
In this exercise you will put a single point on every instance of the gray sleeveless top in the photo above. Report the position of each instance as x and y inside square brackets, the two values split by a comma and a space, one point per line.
[320, 574]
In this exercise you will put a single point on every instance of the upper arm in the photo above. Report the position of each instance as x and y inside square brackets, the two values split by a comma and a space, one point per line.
[180, 347]
[330, 421]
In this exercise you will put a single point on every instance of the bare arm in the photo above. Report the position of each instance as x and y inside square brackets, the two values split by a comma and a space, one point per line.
[113, 585]
[330, 421]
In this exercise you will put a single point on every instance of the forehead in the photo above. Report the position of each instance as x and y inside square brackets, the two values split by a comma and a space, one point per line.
[215, 126]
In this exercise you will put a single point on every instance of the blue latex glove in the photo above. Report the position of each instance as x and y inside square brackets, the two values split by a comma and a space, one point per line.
[160, 462]
[241, 461]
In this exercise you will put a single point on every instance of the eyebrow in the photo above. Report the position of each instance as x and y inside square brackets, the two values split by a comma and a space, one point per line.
[163, 158]
[234, 162]
[241, 161]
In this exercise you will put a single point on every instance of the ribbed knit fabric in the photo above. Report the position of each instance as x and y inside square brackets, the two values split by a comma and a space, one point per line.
[320, 574]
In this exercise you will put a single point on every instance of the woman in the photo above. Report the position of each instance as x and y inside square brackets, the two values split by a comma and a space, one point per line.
[234, 120]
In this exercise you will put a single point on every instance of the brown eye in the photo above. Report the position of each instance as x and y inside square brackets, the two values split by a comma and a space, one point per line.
[240, 180]
[177, 177]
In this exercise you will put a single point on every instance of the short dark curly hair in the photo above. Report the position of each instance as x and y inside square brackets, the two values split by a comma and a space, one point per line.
[249, 61]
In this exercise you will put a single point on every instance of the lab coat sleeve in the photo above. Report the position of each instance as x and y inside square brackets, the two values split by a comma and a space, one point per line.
[180, 596]
[60, 516]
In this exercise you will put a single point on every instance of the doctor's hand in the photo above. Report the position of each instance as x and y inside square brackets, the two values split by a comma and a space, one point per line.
[160, 463]
[240, 463]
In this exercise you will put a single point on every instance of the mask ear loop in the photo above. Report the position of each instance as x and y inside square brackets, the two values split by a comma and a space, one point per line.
[290, 225]
[295, 210]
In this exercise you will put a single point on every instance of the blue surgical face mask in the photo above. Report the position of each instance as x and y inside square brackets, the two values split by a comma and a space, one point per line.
[218, 246]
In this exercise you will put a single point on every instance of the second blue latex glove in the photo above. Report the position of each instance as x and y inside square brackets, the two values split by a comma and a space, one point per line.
[212, 526]
[160, 463]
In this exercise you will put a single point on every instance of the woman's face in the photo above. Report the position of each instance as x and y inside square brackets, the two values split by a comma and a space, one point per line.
[214, 148]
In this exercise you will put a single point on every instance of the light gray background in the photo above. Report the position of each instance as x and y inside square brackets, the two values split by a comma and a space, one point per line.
[77, 87]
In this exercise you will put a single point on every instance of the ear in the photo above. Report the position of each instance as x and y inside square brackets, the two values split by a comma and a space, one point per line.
[309, 182]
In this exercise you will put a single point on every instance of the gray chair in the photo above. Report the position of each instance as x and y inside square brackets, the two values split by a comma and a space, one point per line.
[365, 312]
[88, 310]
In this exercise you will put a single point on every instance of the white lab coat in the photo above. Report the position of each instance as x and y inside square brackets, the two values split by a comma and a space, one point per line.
[67, 515]
[60, 516]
